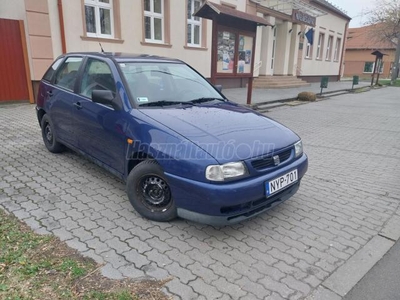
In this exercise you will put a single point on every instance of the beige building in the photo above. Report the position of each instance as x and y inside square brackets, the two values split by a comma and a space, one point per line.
[229, 41]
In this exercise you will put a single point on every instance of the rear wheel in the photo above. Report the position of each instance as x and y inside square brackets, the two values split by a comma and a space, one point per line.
[149, 192]
[49, 136]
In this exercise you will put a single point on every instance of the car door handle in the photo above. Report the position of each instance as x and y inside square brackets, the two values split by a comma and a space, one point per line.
[78, 105]
[50, 93]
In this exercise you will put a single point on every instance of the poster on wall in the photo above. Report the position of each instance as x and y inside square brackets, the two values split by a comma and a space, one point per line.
[245, 54]
[226, 51]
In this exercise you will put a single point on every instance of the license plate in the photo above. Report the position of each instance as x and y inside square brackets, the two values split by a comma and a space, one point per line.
[281, 182]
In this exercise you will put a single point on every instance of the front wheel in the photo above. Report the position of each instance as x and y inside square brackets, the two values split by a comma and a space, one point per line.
[49, 136]
[149, 192]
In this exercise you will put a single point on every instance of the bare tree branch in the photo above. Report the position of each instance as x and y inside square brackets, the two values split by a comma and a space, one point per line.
[386, 20]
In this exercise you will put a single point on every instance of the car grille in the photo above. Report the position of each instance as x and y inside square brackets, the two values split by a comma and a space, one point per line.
[268, 161]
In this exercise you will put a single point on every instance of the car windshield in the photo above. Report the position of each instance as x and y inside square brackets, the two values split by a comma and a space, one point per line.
[162, 84]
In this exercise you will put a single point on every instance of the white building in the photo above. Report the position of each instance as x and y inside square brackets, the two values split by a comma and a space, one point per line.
[229, 49]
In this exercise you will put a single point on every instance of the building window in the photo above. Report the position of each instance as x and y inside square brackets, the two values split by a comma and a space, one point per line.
[329, 48]
[380, 67]
[99, 18]
[154, 21]
[337, 50]
[273, 49]
[308, 50]
[368, 67]
[193, 24]
[320, 46]
[309, 47]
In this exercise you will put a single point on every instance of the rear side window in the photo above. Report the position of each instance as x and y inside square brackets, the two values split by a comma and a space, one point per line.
[68, 73]
[96, 76]
[49, 74]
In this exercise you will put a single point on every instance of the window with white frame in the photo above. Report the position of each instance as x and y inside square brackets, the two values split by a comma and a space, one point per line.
[99, 18]
[154, 21]
[193, 24]
[320, 45]
[328, 54]
[337, 49]
[308, 50]
[369, 67]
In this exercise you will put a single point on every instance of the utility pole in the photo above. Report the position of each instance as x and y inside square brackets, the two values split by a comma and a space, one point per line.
[395, 69]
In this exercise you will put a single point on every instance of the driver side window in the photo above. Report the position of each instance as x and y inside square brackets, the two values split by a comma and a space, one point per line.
[96, 76]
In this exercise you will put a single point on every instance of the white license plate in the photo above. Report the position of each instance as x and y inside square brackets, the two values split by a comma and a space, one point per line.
[280, 183]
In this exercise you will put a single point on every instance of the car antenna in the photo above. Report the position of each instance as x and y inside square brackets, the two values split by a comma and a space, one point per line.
[101, 47]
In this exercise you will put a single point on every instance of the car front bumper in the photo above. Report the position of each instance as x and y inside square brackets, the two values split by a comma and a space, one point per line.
[231, 202]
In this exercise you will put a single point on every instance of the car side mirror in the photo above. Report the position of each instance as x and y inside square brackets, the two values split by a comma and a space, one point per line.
[218, 87]
[105, 97]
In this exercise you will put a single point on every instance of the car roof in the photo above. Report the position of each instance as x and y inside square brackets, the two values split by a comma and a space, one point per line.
[127, 57]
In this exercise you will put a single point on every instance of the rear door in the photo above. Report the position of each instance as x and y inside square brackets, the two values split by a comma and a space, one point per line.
[101, 128]
[61, 98]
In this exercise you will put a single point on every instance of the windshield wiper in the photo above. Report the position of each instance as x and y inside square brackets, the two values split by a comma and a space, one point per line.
[206, 99]
[165, 103]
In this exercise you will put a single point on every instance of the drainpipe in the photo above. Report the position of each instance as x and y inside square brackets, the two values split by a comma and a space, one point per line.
[343, 50]
[62, 28]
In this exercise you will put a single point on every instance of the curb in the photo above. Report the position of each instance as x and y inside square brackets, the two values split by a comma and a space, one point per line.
[264, 106]
[342, 281]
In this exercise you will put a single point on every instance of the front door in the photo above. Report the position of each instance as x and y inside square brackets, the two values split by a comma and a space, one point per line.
[101, 129]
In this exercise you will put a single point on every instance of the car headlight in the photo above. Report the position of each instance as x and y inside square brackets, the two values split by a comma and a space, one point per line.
[225, 171]
[298, 148]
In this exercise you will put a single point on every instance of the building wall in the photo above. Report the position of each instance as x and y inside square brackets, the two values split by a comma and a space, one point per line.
[291, 44]
[131, 37]
[330, 25]
[356, 59]
[35, 15]
[39, 36]
[42, 24]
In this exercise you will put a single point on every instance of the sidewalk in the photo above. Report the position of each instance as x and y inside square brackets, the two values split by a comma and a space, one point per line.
[239, 95]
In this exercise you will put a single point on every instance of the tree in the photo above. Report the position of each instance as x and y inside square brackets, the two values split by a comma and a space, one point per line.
[386, 17]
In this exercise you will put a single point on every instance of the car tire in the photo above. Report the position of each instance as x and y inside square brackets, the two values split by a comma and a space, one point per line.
[149, 192]
[49, 136]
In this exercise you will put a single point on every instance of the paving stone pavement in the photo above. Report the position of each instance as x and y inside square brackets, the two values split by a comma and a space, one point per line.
[350, 191]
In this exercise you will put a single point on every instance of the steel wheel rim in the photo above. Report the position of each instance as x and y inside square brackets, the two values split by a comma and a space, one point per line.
[155, 192]
[48, 133]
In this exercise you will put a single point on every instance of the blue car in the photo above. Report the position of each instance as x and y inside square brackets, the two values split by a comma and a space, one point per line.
[182, 148]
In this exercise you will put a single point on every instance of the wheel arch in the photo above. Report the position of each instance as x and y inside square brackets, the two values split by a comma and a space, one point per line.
[135, 159]
[40, 113]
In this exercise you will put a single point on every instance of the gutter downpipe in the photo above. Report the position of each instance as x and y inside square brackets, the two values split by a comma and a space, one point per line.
[62, 28]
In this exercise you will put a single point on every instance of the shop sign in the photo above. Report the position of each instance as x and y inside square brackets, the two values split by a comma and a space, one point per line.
[299, 16]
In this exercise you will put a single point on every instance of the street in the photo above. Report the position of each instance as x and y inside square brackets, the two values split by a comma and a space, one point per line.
[382, 282]
[351, 190]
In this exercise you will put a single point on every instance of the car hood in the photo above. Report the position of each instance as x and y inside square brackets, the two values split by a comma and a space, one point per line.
[227, 131]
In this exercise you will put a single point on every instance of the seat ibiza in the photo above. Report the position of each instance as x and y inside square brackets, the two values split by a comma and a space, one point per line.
[182, 148]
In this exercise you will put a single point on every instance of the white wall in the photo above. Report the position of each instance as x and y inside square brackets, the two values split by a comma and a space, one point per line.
[325, 24]
[12, 9]
[131, 34]
[55, 27]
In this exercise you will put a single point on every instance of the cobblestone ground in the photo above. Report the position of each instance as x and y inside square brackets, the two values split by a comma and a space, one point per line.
[351, 189]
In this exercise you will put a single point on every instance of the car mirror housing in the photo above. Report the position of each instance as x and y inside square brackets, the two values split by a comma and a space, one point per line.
[218, 87]
[105, 97]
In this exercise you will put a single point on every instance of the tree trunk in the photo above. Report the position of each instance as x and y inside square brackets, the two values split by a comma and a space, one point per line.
[395, 70]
